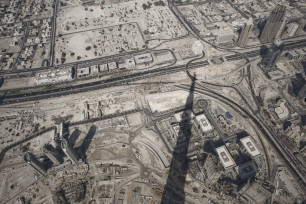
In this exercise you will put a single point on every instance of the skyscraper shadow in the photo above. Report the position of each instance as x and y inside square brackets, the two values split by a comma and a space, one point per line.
[179, 165]
[263, 51]
[87, 140]
[74, 137]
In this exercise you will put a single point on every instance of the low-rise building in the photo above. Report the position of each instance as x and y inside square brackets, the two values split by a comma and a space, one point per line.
[54, 76]
[127, 64]
[164, 56]
[83, 72]
[277, 74]
[281, 110]
[103, 67]
[224, 36]
[292, 28]
[94, 69]
[112, 66]
[143, 58]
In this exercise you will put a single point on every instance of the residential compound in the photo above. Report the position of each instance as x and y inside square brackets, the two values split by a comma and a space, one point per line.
[152, 101]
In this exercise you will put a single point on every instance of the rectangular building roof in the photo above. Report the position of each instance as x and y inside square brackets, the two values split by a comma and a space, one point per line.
[225, 157]
[204, 123]
[143, 58]
[247, 170]
[250, 146]
[83, 71]
[112, 66]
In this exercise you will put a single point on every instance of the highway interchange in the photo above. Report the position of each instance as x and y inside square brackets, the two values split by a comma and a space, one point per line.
[254, 118]
[126, 79]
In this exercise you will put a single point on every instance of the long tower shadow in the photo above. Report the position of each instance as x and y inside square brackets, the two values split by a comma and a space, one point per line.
[74, 137]
[179, 165]
[87, 140]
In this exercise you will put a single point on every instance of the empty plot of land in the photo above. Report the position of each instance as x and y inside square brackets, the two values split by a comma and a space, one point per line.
[155, 21]
[165, 101]
[98, 43]
[15, 83]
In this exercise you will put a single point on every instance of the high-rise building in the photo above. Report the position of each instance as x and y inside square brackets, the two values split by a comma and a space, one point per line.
[273, 54]
[35, 163]
[69, 151]
[53, 154]
[244, 35]
[302, 24]
[212, 170]
[225, 158]
[281, 29]
[249, 147]
[273, 24]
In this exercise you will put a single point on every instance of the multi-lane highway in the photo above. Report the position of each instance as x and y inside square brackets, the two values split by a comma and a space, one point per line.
[53, 34]
[57, 92]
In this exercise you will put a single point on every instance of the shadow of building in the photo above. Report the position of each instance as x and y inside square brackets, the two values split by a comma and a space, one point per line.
[263, 51]
[74, 137]
[87, 140]
[179, 165]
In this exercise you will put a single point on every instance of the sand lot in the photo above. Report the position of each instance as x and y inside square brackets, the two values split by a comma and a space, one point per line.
[98, 43]
[15, 83]
[168, 100]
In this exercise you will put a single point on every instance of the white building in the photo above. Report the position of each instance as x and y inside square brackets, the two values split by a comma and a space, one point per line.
[54, 76]
[296, 54]
[282, 111]
[204, 123]
[225, 157]
[249, 147]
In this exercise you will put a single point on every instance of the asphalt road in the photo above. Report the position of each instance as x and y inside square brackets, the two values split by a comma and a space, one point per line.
[57, 92]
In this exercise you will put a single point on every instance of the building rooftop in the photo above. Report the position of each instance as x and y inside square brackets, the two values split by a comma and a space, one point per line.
[250, 146]
[225, 157]
[204, 123]
[143, 58]
[247, 170]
